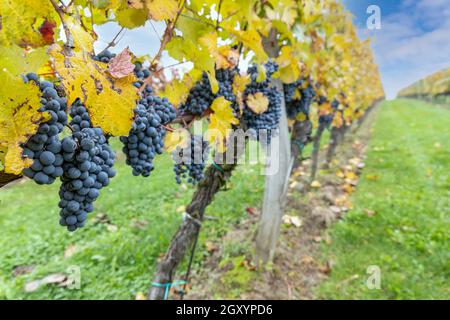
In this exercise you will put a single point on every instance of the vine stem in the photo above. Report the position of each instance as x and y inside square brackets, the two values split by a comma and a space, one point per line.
[168, 128]
[69, 45]
[112, 43]
[218, 14]
[168, 33]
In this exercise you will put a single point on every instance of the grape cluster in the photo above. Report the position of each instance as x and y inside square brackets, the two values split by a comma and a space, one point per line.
[190, 161]
[200, 97]
[269, 119]
[88, 166]
[146, 137]
[104, 56]
[44, 148]
[327, 119]
[295, 105]
[225, 78]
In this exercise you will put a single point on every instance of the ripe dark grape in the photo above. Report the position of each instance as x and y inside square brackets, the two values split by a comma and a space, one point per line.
[44, 148]
[269, 119]
[88, 166]
[189, 162]
[146, 138]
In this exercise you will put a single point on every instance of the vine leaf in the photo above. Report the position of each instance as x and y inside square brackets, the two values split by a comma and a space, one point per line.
[220, 123]
[289, 67]
[129, 17]
[19, 119]
[251, 39]
[162, 9]
[177, 138]
[240, 82]
[121, 65]
[21, 21]
[110, 102]
[19, 104]
[257, 102]
[177, 91]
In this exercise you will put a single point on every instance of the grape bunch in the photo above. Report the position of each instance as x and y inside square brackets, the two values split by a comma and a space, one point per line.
[104, 56]
[295, 105]
[189, 162]
[225, 78]
[88, 167]
[44, 148]
[146, 137]
[199, 99]
[269, 119]
[327, 119]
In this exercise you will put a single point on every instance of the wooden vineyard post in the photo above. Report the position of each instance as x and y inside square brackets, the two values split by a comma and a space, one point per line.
[278, 168]
[277, 176]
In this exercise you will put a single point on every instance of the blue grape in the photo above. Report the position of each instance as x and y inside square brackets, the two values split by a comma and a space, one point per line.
[44, 148]
[191, 160]
[269, 119]
[146, 138]
[88, 166]
[294, 106]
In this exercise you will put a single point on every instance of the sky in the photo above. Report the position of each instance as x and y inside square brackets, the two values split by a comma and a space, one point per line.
[413, 42]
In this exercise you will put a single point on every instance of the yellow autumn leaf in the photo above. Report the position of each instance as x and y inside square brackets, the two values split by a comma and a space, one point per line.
[129, 17]
[257, 102]
[177, 91]
[301, 117]
[19, 119]
[220, 123]
[227, 57]
[20, 22]
[240, 82]
[162, 9]
[251, 39]
[110, 101]
[176, 138]
[289, 68]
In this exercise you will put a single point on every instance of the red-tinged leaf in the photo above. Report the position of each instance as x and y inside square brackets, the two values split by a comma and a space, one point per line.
[121, 65]
[47, 31]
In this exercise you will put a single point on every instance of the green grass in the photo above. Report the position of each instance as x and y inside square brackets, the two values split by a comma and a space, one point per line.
[406, 181]
[113, 265]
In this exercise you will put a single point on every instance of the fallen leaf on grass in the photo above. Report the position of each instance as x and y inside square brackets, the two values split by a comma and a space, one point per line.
[308, 260]
[21, 270]
[111, 228]
[252, 211]
[370, 213]
[292, 221]
[56, 278]
[211, 247]
[70, 251]
[315, 184]
[372, 177]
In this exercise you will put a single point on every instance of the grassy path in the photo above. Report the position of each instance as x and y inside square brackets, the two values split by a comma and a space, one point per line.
[406, 182]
